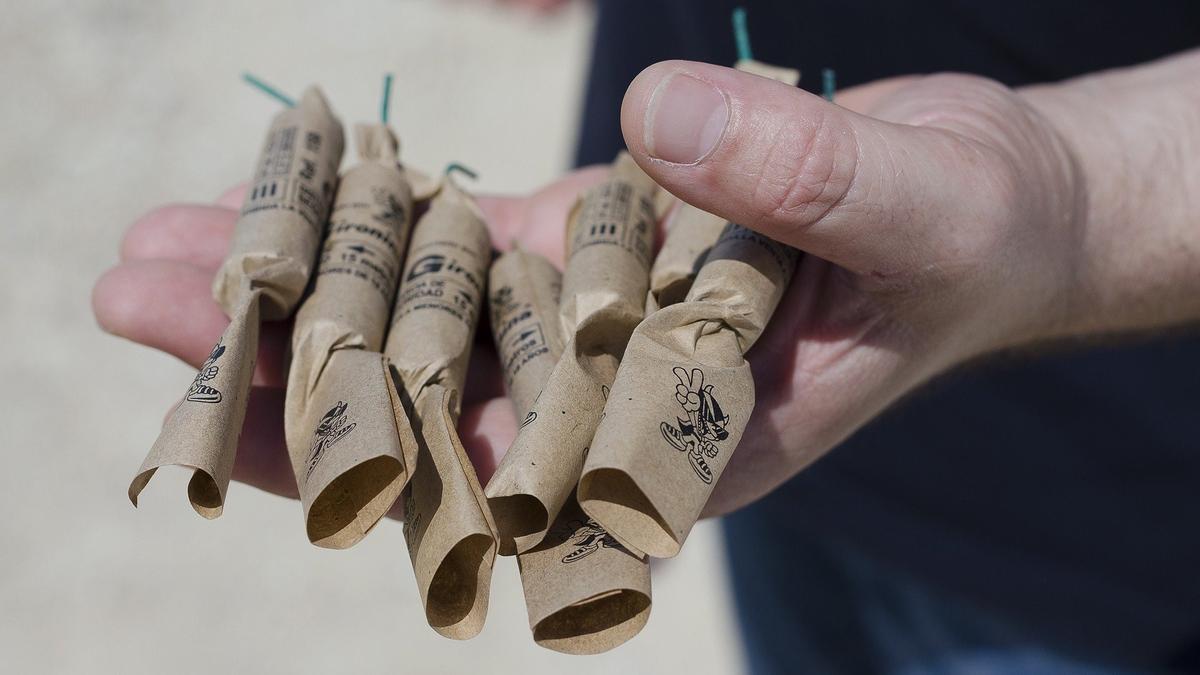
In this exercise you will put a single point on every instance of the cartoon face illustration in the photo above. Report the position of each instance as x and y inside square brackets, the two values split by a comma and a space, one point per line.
[705, 425]
[588, 536]
[203, 393]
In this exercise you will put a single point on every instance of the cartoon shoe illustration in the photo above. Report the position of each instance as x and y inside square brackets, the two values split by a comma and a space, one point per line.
[675, 437]
[589, 537]
[700, 466]
[203, 393]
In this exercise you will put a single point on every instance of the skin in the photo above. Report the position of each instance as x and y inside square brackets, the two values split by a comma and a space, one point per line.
[536, 6]
[944, 218]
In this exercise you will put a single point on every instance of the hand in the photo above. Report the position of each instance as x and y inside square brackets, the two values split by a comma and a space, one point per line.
[687, 392]
[160, 295]
[943, 218]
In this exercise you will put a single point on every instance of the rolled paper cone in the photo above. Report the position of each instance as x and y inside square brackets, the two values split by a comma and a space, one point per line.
[424, 186]
[202, 432]
[349, 439]
[683, 397]
[692, 231]
[524, 290]
[609, 239]
[266, 271]
[523, 303]
[585, 593]
[609, 242]
[788, 76]
[287, 204]
[449, 530]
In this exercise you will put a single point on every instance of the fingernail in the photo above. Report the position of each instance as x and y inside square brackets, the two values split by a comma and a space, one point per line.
[685, 120]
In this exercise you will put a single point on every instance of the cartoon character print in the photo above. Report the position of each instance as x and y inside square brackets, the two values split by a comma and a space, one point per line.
[331, 429]
[502, 302]
[704, 427]
[391, 210]
[588, 536]
[200, 392]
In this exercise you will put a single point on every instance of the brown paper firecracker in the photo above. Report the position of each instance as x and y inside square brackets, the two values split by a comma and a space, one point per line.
[585, 593]
[692, 231]
[788, 76]
[268, 267]
[683, 397]
[523, 305]
[448, 528]
[349, 439]
[609, 239]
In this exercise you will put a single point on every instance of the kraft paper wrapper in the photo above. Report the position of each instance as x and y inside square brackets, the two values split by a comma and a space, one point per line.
[788, 76]
[584, 591]
[692, 231]
[524, 289]
[683, 396]
[609, 239]
[349, 438]
[424, 186]
[270, 260]
[449, 530]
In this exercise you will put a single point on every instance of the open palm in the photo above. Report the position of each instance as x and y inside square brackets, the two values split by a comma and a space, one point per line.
[160, 295]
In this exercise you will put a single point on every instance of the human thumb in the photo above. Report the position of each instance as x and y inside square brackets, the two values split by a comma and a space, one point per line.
[789, 164]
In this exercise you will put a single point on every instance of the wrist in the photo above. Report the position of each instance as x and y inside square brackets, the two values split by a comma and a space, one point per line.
[1135, 137]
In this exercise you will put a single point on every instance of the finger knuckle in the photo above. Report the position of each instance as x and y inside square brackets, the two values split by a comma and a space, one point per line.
[807, 170]
[978, 107]
[946, 89]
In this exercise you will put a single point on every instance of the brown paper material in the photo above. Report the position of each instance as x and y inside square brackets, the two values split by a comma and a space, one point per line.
[585, 592]
[424, 186]
[449, 530]
[523, 303]
[287, 203]
[691, 231]
[202, 432]
[351, 449]
[267, 269]
[609, 238]
[788, 76]
[683, 397]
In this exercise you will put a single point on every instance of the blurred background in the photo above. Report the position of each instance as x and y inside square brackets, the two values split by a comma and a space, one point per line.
[111, 108]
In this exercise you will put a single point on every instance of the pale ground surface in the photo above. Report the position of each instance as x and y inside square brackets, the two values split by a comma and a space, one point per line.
[111, 108]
